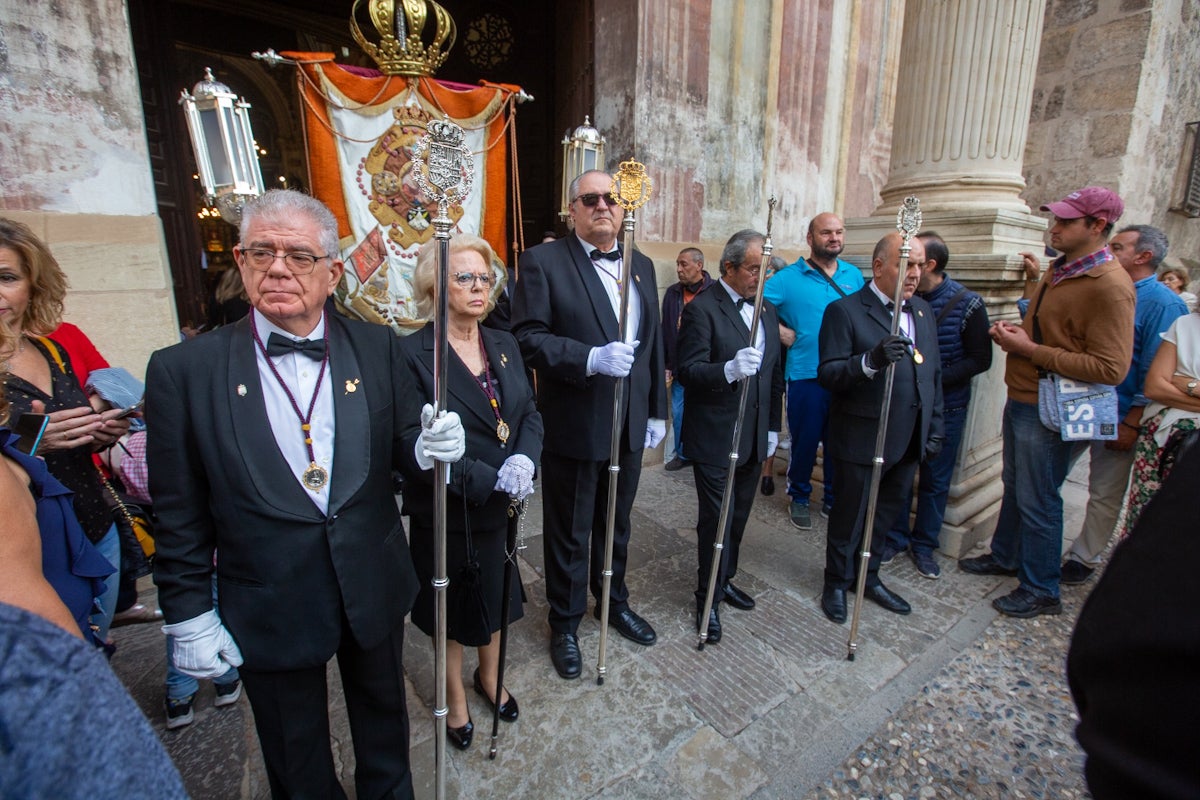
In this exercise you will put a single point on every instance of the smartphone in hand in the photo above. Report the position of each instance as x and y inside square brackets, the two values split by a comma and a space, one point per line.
[133, 409]
[30, 427]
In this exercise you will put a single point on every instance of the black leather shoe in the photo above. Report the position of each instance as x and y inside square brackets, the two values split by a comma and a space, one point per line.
[768, 486]
[714, 625]
[883, 596]
[985, 564]
[833, 603]
[508, 709]
[737, 598]
[564, 652]
[630, 625]
[461, 737]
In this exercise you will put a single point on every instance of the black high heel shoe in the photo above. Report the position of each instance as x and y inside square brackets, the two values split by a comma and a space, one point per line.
[461, 737]
[508, 710]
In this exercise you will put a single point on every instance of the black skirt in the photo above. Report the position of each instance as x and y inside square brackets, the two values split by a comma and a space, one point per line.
[465, 626]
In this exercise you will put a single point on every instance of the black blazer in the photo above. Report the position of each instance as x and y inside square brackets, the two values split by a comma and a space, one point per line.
[286, 573]
[560, 311]
[711, 332]
[851, 327]
[485, 455]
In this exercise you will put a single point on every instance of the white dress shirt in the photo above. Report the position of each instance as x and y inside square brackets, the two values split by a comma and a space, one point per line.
[300, 373]
[609, 274]
[747, 312]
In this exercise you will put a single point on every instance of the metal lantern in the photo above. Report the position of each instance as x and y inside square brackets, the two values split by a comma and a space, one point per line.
[226, 155]
[583, 150]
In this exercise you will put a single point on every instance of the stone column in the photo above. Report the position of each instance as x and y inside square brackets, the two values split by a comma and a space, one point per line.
[963, 97]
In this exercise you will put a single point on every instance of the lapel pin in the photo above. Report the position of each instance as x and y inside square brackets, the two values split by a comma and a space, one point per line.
[504, 359]
[637, 278]
[351, 386]
[920, 313]
[241, 390]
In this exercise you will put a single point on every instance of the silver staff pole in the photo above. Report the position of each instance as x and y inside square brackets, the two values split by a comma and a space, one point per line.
[444, 169]
[727, 496]
[908, 222]
[632, 187]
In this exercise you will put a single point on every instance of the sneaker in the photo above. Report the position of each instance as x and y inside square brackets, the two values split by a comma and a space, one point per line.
[889, 552]
[1022, 603]
[826, 510]
[800, 516]
[227, 693]
[179, 712]
[985, 565]
[676, 463]
[927, 566]
[1075, 572]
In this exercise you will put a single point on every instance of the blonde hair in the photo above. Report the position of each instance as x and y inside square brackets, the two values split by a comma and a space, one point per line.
[47, 283]
[231, 286]
[425, 272]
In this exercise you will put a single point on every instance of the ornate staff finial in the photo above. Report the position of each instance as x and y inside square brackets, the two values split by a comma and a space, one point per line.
[908, 218]
[770, 215]
[633, 185]
[444, 166]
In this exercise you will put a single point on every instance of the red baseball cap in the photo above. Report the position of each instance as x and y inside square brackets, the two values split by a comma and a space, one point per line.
[1090, 201]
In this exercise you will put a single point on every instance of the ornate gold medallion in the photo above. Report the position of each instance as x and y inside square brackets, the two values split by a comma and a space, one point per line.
[315, 477]
[502, 432]
[917, 357]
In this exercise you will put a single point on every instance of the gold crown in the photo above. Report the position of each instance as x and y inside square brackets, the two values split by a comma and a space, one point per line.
[401, 49]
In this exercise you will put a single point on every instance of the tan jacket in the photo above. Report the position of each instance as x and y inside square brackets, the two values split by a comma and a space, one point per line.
[1087, 330]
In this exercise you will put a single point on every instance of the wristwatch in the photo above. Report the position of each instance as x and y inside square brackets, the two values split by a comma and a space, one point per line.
[1191, 387]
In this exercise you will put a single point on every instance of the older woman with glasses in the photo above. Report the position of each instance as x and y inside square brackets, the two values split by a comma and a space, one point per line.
[488, 388]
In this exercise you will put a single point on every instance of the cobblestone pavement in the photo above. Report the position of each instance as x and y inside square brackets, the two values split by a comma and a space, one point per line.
[952, 701]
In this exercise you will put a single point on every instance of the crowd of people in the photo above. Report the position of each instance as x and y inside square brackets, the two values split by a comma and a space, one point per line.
[289, 422]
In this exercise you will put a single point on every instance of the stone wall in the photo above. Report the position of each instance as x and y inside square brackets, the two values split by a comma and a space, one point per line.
[74, 166]
[1117, 81]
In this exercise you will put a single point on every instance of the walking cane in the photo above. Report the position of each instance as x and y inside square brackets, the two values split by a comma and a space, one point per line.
[633, 188]
[727, 495]
[515, 509]
[444, 169]
[908, 222]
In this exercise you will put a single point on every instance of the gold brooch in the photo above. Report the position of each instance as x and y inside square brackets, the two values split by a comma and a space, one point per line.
[352, 386]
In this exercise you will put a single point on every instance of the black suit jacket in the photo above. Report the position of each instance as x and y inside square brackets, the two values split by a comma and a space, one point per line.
[286, 573]
[711, 332]
[851, 327]
[560, 311]
[485, 454]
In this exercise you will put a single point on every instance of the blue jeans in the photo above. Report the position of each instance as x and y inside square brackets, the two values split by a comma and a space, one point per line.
[808, 424]
[676, 417]
[1029, 532]
[933, 492]
[180, 686]
[110, 548]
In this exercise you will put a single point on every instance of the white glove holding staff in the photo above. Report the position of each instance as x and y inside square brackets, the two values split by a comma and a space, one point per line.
[743, 364]
[442, 438]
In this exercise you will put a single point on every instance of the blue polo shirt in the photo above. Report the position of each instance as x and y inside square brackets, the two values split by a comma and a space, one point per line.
[800, 294]
[1157, 307]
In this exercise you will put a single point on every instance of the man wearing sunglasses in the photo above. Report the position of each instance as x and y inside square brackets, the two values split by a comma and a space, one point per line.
[565, 318]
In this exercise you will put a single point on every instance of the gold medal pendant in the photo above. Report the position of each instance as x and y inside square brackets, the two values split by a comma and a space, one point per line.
[917, 357]
[315, 477]
[502, 432]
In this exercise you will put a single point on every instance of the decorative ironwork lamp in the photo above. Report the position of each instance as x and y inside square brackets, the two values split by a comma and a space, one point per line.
[226, 154]
[583, 150]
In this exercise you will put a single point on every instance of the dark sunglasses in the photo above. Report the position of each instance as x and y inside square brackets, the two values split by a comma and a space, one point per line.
[590, 200]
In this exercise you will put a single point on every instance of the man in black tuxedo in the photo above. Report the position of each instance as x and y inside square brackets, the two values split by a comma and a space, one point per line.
[271, 447]
[564, 318]
[715, 355]
[856, 347]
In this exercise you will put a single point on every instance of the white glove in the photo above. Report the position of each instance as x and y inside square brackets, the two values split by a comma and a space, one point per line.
[203, 648]
[744, 364]
[441, 439]
[772, 442]
[515, 477]
[615, 359]
[656, 430]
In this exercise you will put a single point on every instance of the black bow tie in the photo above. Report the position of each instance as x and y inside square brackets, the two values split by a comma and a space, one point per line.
[281, 345]
[612, 255]
[741, 301]
[907, 307]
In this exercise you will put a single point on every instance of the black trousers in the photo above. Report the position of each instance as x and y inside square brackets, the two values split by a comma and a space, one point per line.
[851, 483]
[574, 509]
[291, 713]
[710, 489]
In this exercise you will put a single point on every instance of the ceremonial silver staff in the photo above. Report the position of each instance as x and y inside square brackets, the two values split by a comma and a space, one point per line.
[444, 169]
[908, 222]
[727, 496]
[632, 187]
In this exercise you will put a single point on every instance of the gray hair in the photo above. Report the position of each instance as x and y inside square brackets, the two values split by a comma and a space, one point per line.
[734, 253]
[573, 189]
[425, 272]
[1150, 239]
[280, 205]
